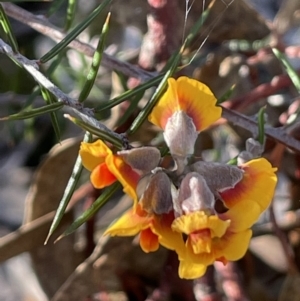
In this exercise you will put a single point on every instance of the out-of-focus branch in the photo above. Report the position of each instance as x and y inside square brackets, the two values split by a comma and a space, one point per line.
[287, 248]
[231, 281]
[289, 221]
[43, 26]
[205, 288]
[264, 90]
[162, 38]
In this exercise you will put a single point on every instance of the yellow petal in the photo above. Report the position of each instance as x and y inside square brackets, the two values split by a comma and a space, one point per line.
[199, 220]
[125, 174]
[232, 246]
[93, 154]
[168, 238]
[166, 106]
[190, 96]
[192, 265]
[191, 270]
[129, 224]
[242, 215]
[197, 100]
[258, 185]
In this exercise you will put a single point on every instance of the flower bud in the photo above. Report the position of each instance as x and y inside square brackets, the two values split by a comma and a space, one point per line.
[254, 147]
[218, 176]
[142, 159]
[194, 195]
[157, 197]
[180, 135]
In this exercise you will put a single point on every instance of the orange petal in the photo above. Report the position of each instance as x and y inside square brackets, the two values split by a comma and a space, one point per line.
[101, 176]
[148, 241]
[125, 174]
[232, 246]
[190, 96]
[130, 223]
[258, 185]
[93, 154]
[200, 241]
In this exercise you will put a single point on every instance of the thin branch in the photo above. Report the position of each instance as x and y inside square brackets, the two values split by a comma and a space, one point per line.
[33, 68]
[77, 108]
[45, 27]
[42, 25]
[277, 134]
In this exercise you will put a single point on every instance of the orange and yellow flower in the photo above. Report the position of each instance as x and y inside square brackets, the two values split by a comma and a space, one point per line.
[106, 167]
[185, 219]
[154, 229]
[225, 236]
[190, 96]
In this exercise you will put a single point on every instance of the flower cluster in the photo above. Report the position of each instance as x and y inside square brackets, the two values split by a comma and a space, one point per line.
[203, 211]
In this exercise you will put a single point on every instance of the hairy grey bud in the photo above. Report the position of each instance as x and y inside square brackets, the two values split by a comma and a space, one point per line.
[142, 159]
[194, 194]
[218, 176]
[157, 197]
[254, 147]
[180, 135]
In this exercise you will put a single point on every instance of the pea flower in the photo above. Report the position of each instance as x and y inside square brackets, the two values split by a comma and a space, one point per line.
[186, 108]
[152, 217]
[204, 211]
[106, 167]
[224, 235]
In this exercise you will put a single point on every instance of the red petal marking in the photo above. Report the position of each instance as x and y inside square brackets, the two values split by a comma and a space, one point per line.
[102, 177]
[148, 241]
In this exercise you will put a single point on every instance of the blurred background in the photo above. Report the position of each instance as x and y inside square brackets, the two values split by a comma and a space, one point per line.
[232, 48]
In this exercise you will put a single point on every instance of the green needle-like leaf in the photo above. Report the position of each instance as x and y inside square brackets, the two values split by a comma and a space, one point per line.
[95, 63]
[133, 105]
[74, 33]
[37, 91]
[261, 126]
[72, 4]
[289, 68]
[55, 6]
[233, 161]
[76, 173]
[226, 95]
[100, 202]
[34, 112]
[102, 134]
[8, 30]
[49, 99]
[197, 26]
[130, 93]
